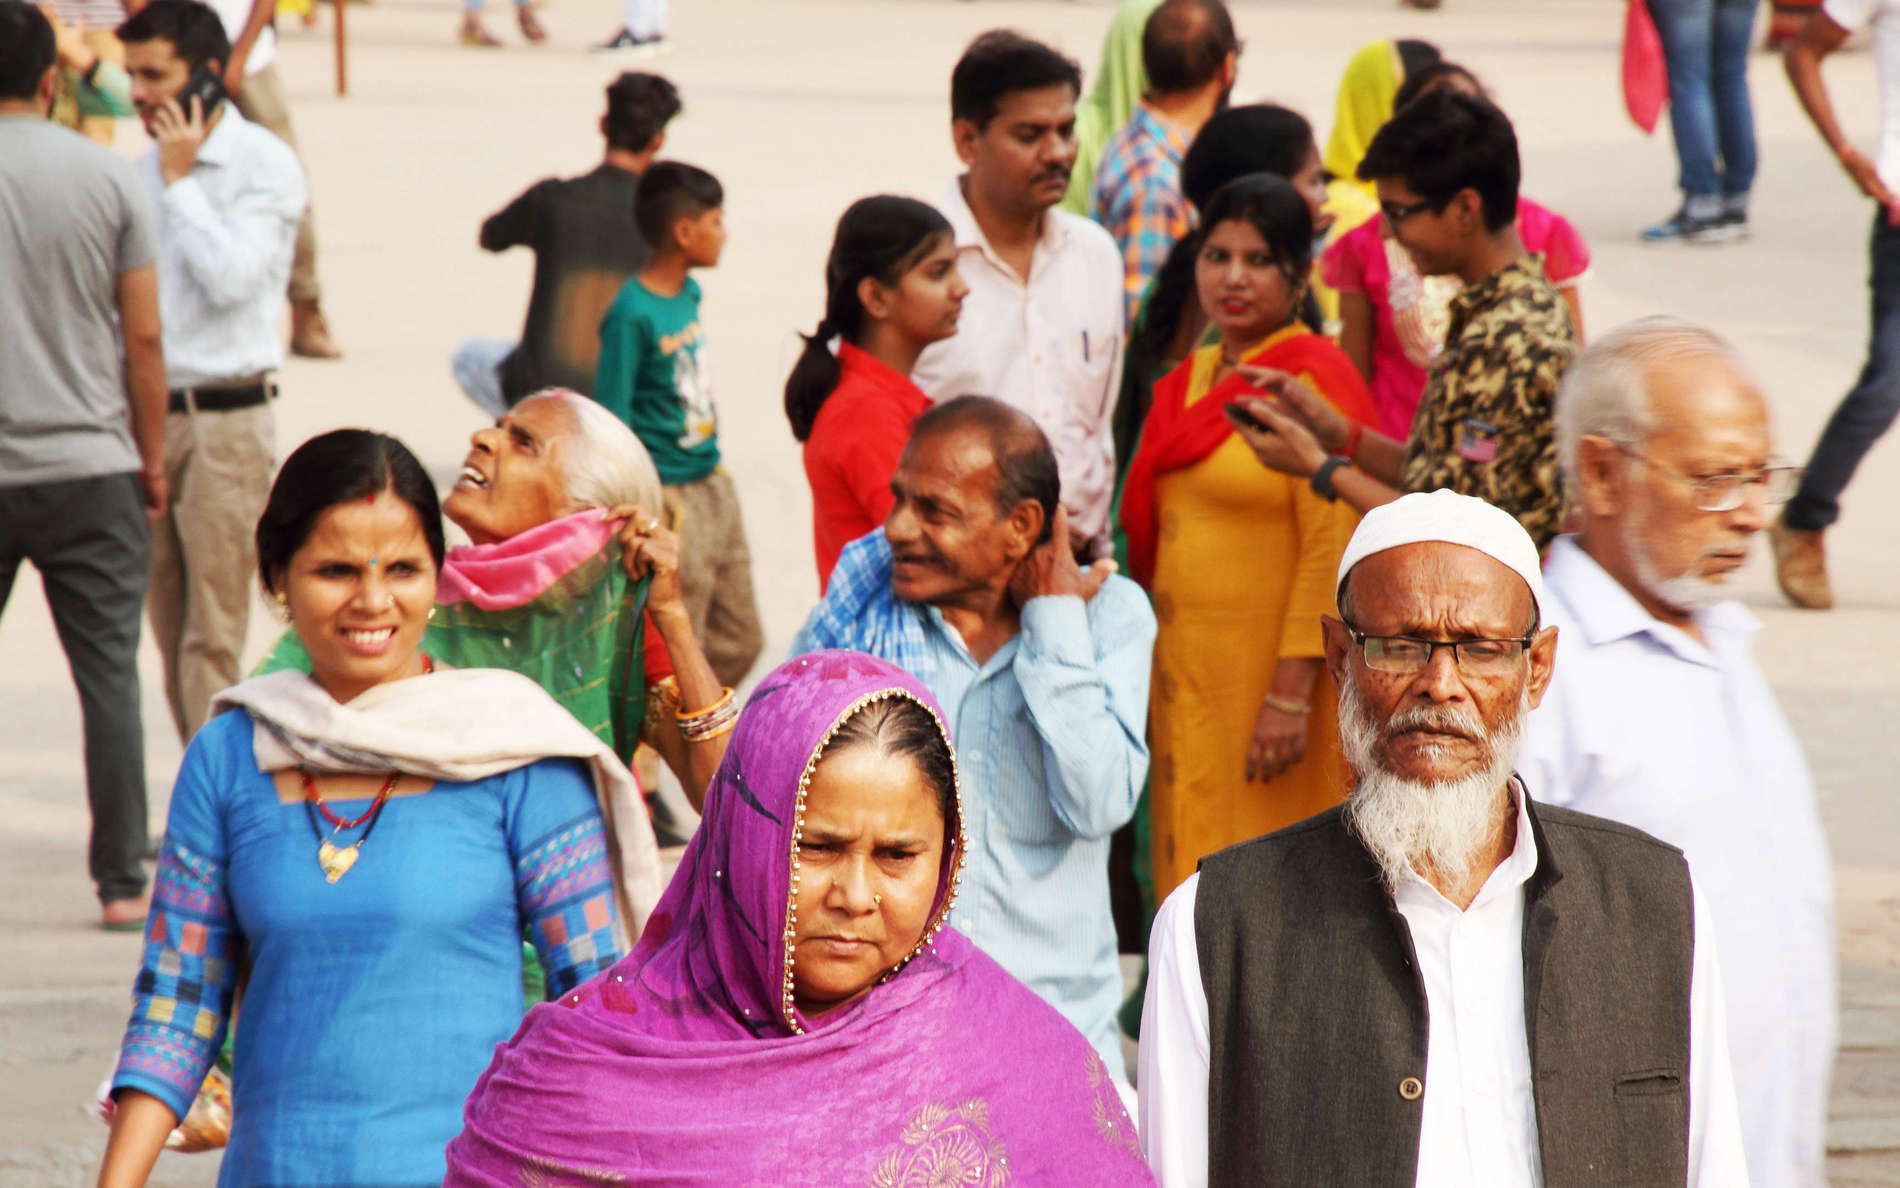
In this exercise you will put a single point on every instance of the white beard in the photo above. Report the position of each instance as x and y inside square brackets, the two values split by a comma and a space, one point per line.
[1438, 829]
[1688, 592]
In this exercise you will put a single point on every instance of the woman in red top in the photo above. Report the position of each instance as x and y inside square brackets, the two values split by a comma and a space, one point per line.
[891, 289]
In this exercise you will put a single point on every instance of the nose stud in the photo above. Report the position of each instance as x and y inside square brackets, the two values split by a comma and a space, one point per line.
[877, 899]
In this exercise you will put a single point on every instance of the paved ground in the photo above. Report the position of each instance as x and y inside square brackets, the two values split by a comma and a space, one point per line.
[802, 105]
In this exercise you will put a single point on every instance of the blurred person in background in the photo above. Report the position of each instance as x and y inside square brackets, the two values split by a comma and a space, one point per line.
[82, 427]
[1658, 716]
[474, 33]
[891, 289]
[1042, 328]
[1119, 83]
[229, 196]
[1191, 56]
[585, 246]
[1705, 49]
[1239, 559]
[1392, 320]
[251, 78]
[1868, 410]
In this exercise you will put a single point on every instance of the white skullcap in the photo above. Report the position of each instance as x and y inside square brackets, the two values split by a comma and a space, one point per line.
[1455, 519]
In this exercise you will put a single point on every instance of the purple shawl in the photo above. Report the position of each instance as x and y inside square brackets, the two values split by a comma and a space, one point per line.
[687, 1063]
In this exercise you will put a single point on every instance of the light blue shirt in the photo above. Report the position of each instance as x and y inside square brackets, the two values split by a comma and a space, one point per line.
[1683, 738]
[226, 233]
[1051, 748]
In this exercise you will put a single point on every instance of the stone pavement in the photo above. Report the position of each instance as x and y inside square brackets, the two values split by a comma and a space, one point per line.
[801, 106]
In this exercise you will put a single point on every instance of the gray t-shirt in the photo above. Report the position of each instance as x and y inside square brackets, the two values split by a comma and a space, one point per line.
[72, 219]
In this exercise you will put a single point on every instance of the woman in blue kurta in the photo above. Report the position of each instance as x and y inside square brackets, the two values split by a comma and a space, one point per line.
[360, 851]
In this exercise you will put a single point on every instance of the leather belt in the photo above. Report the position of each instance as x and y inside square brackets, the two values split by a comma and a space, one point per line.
[223, 399]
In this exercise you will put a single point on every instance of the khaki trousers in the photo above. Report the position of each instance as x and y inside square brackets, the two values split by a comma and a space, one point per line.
[204, 552]
[716, 574]
[261, 101]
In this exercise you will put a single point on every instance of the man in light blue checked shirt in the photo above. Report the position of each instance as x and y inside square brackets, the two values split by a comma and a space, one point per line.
[1042, 667]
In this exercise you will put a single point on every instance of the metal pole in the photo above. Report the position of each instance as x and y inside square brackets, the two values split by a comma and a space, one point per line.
[342, 57]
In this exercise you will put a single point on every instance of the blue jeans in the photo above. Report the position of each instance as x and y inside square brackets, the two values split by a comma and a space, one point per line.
[1870, 408]
[1705, 45]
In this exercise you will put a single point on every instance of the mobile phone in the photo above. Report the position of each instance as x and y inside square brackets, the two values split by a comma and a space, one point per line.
[207, 85]
[1243, 418]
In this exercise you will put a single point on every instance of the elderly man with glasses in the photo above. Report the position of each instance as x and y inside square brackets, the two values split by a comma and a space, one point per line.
[1658, 716]
[1441, 982]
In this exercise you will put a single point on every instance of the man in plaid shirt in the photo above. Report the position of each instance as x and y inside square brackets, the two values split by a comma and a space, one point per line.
[1191, 55]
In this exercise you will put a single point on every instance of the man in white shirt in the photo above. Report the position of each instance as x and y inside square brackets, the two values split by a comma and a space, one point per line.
[1042, 326]
[228, 196]
[1442, 983]
[1869, 409]
[1658, 716]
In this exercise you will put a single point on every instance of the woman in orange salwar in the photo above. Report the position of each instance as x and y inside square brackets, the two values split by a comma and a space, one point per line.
[1240, 561]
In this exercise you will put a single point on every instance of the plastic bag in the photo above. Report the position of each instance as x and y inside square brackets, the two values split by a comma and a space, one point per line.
[1645, 76]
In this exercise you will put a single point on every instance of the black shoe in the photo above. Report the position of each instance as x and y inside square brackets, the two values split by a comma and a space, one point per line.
[622, 40]
[1683, 227]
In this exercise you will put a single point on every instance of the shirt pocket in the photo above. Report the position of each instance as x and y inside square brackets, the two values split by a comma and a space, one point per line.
[1088, 357]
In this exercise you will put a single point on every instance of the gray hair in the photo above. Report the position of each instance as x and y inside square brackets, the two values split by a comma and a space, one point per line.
[604, 462]
[1605, 393]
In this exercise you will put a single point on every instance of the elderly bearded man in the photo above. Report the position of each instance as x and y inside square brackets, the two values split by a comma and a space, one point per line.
[1042, 668]
[1439, 983]
[1658, 717]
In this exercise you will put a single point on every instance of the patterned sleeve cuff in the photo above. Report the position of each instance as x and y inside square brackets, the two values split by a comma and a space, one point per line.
[163, 1062]
[565, 884]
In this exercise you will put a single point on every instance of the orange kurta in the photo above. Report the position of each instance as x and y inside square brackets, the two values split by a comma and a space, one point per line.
[1244, 567]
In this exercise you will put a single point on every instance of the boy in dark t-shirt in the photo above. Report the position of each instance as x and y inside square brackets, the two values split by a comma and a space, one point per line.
[585, 245]
[653, 375]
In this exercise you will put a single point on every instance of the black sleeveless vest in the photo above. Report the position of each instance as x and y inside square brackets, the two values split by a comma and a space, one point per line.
[1317, 1015]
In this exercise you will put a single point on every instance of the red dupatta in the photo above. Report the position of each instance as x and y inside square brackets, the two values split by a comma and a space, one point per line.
[1178, 434]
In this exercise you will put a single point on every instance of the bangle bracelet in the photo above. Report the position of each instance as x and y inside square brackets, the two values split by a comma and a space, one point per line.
[710, 722]
[1351, 449]
[1289, 705]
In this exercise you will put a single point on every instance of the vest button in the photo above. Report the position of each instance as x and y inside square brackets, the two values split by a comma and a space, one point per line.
[1411, 1088]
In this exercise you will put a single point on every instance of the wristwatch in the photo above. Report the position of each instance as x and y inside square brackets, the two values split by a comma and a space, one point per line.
[1322, 480]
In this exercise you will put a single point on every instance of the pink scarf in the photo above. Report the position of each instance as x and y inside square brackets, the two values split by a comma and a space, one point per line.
[516, 571]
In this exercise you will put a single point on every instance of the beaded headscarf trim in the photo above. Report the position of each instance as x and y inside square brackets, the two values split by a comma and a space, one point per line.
[787, 1008]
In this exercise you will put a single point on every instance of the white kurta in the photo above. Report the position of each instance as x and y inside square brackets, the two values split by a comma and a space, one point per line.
[1479, 1124]
[1050, 345]
[1646, 726]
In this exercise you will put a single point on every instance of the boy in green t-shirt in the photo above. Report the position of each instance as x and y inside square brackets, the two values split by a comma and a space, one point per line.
[652, 375]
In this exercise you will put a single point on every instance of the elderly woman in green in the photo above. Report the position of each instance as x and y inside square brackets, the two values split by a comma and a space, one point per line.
[570, 578]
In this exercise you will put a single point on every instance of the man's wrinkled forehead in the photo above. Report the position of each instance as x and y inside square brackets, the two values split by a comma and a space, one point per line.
[1437, 584]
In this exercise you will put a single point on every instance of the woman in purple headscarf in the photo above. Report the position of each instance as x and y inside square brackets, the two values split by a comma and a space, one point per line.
[796, 1012]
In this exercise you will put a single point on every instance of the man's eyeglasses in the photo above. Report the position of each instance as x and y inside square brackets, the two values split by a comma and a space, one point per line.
[1408, 655]
[1726, 492]
[1396, 213]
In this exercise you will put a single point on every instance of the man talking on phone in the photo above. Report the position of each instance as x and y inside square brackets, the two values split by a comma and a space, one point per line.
[228, 196]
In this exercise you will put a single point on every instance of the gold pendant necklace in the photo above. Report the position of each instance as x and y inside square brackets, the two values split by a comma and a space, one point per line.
[336, 860]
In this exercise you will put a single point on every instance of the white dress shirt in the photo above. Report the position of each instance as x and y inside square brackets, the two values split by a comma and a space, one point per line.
[1050, 346]
[1644, 725]
[226, 233]
[1479, 1125]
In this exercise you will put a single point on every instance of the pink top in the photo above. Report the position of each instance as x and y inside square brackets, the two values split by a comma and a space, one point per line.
[1409, 313]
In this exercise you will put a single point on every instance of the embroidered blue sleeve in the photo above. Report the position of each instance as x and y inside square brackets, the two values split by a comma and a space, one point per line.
[181, 1002]
[563, 879]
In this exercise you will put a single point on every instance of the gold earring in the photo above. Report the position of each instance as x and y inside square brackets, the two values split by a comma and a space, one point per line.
[432, 614]
[283, 608]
